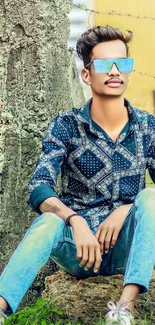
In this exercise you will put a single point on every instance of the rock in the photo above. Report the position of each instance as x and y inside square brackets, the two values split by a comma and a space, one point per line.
[85, 300]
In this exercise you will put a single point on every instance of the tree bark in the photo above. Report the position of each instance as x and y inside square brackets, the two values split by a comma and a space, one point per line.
[37, 80]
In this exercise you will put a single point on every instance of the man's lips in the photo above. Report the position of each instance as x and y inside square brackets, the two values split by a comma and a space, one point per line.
[114, 81]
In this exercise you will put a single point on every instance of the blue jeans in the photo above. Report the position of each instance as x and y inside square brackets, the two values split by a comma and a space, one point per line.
[133, 254]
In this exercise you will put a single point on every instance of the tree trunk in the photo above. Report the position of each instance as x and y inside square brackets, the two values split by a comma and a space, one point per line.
[37, 80]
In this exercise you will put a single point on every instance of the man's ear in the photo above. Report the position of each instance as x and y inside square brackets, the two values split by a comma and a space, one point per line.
[85, 74]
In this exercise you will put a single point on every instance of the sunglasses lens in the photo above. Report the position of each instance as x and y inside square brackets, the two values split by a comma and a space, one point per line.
[125, 65]
[105, 65]
[102, 65]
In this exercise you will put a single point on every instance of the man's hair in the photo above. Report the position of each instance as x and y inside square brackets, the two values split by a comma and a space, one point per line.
[96, 35]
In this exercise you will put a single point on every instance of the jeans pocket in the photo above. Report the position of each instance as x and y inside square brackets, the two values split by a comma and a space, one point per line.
[57, 247]
[120, 270]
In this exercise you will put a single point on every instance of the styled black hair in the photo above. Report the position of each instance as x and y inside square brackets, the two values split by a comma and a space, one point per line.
[96, 35]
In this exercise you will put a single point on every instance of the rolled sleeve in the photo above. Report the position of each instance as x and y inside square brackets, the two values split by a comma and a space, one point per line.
[54, 152]
[40, 194]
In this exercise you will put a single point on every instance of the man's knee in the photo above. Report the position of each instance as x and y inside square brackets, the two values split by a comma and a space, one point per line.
[146, 198]
[49, 220]
[47, 223]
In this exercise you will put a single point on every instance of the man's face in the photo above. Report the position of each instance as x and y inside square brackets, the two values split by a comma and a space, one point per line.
[113, 83]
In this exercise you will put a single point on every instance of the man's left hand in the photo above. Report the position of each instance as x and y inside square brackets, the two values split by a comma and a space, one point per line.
[108, 231]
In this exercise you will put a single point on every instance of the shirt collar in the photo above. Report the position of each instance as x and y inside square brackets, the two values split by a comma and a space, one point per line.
[84, 115]
[134, 118]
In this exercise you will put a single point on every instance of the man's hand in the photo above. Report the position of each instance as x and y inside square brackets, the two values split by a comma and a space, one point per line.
[88, 248]
[108, 231]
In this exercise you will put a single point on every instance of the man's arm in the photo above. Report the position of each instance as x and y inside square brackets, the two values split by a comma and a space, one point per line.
[88, 248]
[54, 153]
[54, 205]
[151, 159]
[108, 231]
[43, 198]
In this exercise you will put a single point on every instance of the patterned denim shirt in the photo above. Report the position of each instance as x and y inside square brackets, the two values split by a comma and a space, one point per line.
[98, 175]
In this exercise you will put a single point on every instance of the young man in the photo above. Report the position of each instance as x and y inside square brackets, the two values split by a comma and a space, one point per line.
[98, 223]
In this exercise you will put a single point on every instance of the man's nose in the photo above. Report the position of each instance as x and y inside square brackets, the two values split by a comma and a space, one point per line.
[114, 71]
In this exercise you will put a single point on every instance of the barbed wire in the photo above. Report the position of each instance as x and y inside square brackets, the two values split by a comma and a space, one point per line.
[112, 13]
[144, 74]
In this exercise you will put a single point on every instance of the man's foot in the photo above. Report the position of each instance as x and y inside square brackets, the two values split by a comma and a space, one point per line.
[2, 316]
[119, 314]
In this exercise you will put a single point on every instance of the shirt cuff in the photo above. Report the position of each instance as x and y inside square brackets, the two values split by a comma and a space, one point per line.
[40, 194]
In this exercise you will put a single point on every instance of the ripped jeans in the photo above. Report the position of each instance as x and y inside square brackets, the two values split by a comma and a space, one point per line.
[48, 237]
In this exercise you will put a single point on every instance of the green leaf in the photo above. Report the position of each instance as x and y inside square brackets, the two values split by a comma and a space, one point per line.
[57, 311]
[43, 322]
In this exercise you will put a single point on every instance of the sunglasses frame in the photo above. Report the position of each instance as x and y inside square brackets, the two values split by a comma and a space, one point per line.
[113, 61]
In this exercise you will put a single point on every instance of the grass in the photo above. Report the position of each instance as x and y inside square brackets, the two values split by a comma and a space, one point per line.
[44, 313]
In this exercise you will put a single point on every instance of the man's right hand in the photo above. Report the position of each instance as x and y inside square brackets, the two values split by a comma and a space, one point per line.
[88, 248]
[87, 245]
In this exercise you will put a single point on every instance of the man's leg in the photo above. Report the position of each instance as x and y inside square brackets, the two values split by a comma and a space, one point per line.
[47, 237]
[133, 253]
[141, 259]
[31, 254]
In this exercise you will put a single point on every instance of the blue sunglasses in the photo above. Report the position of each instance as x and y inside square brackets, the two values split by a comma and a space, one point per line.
[105, 65]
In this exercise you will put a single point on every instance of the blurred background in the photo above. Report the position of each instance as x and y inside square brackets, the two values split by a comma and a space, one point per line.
[137, 16]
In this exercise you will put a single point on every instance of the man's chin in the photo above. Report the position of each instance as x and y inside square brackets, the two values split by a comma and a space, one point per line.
[113, 94]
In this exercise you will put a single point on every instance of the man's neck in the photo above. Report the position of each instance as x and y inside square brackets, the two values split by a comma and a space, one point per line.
[108, 112]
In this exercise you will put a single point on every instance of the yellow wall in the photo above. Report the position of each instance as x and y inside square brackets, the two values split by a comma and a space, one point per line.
[142, 48]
